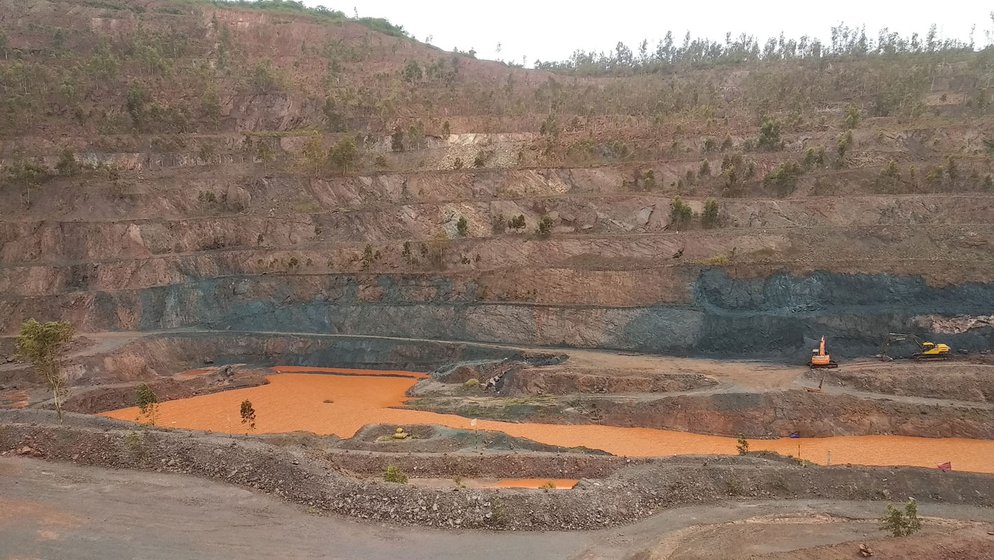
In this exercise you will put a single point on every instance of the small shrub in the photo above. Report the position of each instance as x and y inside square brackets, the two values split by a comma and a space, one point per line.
[814, 158]
[890, 170]
[147, 402]
[843, 145]
[709, 218]
[457, 164]
[412, 72]
[769, 135]
[742, 445]
[395, 475]
[934, 175]
[462, 226]
[705, 170]
[498, 224]
[67, 165]
[549, 485]
[951, 169]
[783, 179]
[545, 226]
[397, 139]
[901, 523]
[649, 180]
[518, 222]
[853, 116]
[247, 412]
[266, 78]
[343, 154]
[472, 383]
[680, 212]
[436, 251]
[710, 145]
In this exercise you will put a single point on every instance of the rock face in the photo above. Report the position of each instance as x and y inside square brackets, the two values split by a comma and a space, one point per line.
[181, 199]
[781, 315]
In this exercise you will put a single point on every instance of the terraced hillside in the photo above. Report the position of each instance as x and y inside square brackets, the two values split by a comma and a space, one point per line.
[171, 164]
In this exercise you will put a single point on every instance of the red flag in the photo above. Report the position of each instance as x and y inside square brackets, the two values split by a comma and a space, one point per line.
[946, 467]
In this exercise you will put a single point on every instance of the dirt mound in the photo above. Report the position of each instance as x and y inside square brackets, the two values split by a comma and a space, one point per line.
[754, 414]
[439, 439]
[566, 380]
[954, 381]
[631, 493]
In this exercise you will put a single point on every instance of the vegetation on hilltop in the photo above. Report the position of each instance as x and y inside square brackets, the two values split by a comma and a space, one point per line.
[180, 76]
[668, 55]
[380, 25]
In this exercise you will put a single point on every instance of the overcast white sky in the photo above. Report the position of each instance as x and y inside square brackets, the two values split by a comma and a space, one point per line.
[553, 30]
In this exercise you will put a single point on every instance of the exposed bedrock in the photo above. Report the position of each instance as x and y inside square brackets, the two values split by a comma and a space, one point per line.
[777, 316]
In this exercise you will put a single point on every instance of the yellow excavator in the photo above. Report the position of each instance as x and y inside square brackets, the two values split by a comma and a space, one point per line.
[820, 358]
[926, 350]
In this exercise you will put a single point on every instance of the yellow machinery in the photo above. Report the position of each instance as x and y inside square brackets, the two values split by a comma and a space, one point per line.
[820, 358]
[932, 351]
[926, 350]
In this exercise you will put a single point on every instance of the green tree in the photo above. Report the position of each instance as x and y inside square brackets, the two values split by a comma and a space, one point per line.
[247, 412]
[462, 226]
[137, 98]
[843, 145]
[43, 345]
[709, 217]
[148, 403]
[343, 154]
[265, 78]
[901, 523]
[412, 72]
[769, 135]
[680, 212]
[783, 179]
[853, 116]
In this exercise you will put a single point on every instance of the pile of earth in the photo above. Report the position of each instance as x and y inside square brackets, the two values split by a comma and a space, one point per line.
[300, 475]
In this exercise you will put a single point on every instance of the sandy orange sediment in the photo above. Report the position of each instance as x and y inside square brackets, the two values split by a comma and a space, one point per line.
[296, 402]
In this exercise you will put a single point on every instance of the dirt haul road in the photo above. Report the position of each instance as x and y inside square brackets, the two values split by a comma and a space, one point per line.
[54, 510]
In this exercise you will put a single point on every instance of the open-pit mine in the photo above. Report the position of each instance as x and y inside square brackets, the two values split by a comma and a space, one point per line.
[280, 282]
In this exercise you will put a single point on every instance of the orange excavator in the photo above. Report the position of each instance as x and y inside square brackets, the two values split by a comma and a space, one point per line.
[820, 358]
